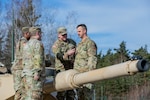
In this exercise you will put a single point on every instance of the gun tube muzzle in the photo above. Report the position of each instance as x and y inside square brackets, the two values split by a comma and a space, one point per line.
[143, 65]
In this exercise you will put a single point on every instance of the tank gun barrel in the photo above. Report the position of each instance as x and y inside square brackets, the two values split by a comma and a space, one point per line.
[71, 79]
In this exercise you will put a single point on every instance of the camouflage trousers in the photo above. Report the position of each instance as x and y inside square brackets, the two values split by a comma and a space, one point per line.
[66, 95]
[18, 85]
[33, 88]
[85, 93]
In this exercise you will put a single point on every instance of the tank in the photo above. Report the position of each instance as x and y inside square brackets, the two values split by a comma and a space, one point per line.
[72, 79]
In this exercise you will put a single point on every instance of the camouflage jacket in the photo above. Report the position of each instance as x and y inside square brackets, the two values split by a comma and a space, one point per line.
[17, 64]
[86, 59]
[33, 58]
[63, 61]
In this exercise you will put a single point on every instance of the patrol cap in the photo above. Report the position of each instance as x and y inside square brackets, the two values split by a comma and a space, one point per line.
[62, 30]
[34, 29]
[25, 29]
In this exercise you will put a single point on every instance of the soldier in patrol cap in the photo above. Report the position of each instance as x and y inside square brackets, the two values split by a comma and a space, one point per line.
[33, 66]
[64, 50]
[85, 60]
[17, 64]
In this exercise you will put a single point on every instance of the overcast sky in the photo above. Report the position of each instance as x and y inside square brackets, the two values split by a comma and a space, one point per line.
[110, 22]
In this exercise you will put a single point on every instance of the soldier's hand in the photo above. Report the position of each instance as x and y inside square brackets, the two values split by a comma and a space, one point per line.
[36, 76]
[71, 52]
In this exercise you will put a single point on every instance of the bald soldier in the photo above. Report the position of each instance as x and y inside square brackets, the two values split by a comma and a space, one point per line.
[85, 60]
[34, 66]
[17, 64]
[64, 50]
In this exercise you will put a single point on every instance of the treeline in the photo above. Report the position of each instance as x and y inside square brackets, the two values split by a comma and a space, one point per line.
[123, 88]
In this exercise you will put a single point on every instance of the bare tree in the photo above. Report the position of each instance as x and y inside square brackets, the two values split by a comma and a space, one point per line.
[7, 50]
[48, 25]
[28, 14]
[1, 44]
[25, 15]
[71, 20]
[2, 34]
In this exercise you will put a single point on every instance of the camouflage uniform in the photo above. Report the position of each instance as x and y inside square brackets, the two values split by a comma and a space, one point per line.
[85, 60]
[64, 62]
[33, 61]
[17, 69]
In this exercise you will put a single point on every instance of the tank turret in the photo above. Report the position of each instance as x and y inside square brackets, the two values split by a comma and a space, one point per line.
[72, 79]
